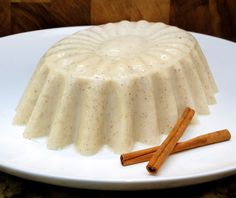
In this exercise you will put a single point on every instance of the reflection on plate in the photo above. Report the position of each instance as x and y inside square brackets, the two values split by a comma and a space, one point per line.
[31, 159]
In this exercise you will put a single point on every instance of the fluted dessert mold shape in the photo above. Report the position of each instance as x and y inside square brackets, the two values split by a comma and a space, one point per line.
[115, 84]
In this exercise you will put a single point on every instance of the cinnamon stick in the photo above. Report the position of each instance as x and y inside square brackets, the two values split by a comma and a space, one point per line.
[199, 141]
[169, 143]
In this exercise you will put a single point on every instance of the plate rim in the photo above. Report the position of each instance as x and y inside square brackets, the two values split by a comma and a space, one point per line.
[130, 184]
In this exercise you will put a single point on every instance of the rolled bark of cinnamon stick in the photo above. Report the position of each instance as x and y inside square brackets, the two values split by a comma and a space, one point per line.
[199, 141]
[169, 143]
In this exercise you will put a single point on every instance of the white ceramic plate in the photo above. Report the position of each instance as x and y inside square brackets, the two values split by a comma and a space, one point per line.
[31, 159]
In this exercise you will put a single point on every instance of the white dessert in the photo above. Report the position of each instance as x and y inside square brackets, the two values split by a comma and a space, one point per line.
[115, 84]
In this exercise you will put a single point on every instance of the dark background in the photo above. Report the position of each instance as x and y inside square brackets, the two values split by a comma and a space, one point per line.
[213, 17]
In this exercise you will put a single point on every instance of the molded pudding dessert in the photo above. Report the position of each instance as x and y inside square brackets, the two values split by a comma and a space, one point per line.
[115, 84]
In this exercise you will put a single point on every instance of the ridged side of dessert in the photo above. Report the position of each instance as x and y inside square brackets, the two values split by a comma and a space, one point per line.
[115, 84]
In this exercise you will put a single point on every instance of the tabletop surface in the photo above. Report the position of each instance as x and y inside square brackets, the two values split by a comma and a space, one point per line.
[11, 186]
